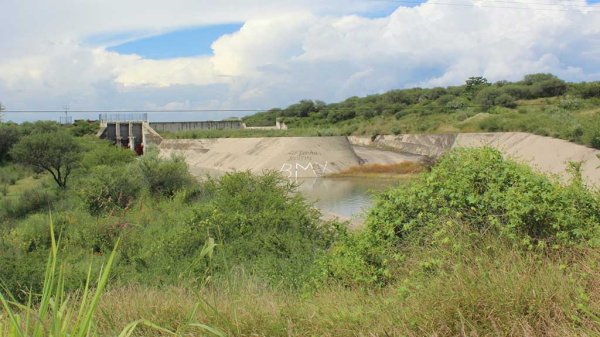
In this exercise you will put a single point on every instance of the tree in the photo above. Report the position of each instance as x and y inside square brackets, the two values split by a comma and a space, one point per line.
[9, 135]
[545, 85]
[55, 152]
[492, 96]
[1, 113]
[474, 84]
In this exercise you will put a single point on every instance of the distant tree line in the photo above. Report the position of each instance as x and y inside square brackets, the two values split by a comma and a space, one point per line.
[477, 93]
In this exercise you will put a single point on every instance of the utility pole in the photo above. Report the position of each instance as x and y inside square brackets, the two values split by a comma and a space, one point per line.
[66, 114]
[1, 113]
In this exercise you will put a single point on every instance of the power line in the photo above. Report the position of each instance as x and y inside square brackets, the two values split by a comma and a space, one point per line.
[133, 111]
[539, 6]
[255, 110]
[565, 3]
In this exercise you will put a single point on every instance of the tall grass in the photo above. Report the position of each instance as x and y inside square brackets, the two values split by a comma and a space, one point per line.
[57, 313]
[473, 286]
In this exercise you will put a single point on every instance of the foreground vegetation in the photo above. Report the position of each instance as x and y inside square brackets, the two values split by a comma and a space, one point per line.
[476, 246]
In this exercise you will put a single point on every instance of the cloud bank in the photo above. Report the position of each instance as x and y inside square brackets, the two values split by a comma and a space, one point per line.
[284, 52]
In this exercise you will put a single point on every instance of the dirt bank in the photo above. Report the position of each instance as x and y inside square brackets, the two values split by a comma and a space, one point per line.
[545, 154]
[307, 157]
[295, 157]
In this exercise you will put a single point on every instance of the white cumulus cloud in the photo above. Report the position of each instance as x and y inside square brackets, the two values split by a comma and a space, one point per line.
[285, 51]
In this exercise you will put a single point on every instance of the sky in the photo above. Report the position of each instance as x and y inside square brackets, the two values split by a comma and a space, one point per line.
[219, 55]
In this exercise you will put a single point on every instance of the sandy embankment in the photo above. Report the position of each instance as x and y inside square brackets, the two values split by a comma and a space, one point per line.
[309, 157]
[545, 154]
[313, 157]
[294, 157]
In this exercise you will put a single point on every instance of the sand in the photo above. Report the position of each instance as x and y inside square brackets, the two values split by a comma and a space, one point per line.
[308, 157]
[294, 157]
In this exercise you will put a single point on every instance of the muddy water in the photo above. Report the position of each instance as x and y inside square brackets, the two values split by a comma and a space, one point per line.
[349, 197]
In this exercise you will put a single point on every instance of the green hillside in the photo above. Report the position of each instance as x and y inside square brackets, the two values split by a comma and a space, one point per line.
[540, 103]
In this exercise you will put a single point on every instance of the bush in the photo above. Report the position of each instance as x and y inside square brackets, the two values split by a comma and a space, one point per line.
[570, 103]
[587, 90]
[84, 128]
[493, 96]
[101, 152]
[107, 188]
[482, 189]
[506, 100]
[458, 103]
[10, 174]
[478, 188]
[262, 225]
[596, 141]
[164, 177]
[549, 88]
[30, 201]
[9, 135]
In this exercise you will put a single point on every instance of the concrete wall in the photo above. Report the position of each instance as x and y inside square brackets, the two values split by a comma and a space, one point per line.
[135, 135]
[185, 126]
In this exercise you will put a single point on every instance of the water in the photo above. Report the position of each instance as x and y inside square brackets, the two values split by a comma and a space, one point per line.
[348, 198]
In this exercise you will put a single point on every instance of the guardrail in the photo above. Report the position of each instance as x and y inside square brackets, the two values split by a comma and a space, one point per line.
[123, 117]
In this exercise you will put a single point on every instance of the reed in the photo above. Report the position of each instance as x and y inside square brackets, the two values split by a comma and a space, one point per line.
[403, 168]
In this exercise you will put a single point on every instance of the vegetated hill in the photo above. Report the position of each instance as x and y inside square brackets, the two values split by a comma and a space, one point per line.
[540, 103]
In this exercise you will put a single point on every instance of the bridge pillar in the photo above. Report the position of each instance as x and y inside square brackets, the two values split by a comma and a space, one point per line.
[118, 133]
[131, 137]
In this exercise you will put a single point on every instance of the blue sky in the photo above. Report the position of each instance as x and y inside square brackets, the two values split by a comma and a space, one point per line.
[181, 43]
[197, 41]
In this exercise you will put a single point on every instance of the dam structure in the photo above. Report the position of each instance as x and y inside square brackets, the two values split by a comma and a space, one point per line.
[203, 125]
[134, 131]
[314, 157]
[128, 130]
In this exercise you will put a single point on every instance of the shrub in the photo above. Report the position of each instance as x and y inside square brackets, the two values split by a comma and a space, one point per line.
[487, 96]
[587, 90]
[31, 201]
[107, 188]
[458, 103]
[506, 101]
[484, 190]
[396, 129]
[84, 127]
[261, 224]
[549, 88]
[570, 103]
[596, 141]
[9, 135]
[101, 152]
[486, 193]
[164, 177]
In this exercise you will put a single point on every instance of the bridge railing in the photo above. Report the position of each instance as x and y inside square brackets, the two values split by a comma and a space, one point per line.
[123, 117]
